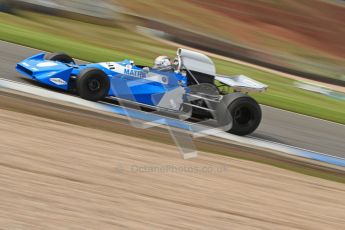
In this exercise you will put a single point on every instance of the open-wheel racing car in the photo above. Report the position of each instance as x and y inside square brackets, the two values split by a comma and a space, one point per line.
[189, 85]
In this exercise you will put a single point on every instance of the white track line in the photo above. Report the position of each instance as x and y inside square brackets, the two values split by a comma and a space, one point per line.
[248, 141]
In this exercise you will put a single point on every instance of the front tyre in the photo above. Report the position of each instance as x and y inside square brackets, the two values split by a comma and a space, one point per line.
[93, 84]
[246, 114]
[61, 57]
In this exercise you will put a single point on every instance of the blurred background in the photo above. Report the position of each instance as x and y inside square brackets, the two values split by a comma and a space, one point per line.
[301, 38]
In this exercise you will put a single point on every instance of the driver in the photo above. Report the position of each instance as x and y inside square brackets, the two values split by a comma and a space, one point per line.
[163, 63]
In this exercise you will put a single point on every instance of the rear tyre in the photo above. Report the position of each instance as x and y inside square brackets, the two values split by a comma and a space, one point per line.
[246, 114]
[61, 57]
[93, 84]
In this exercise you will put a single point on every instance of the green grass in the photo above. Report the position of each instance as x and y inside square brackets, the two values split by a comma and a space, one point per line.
[79, 39]
[103, 43]
[283, 94]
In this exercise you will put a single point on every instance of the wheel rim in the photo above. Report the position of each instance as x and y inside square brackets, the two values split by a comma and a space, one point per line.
[94, 85]
[242, 115]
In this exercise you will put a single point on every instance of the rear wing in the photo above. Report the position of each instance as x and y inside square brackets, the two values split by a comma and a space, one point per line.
[242, 83]
[193, 61]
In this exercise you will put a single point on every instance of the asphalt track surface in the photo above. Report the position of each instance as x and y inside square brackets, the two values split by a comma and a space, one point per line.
[277, 125]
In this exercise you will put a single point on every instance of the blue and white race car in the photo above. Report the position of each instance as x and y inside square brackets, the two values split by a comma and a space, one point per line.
[189, 85]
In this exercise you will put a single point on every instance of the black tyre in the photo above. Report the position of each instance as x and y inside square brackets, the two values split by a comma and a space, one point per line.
[245, 112]
[93, 84]
[61, 57]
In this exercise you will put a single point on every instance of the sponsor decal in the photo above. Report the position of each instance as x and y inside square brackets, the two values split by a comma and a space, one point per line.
[134, 73]
[157, 78]
[164, 79]
[112, 66]
[129, 71]
[58, 81]
[47, 64]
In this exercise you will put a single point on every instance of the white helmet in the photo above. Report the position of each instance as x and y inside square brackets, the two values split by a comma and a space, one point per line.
[162, 62]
